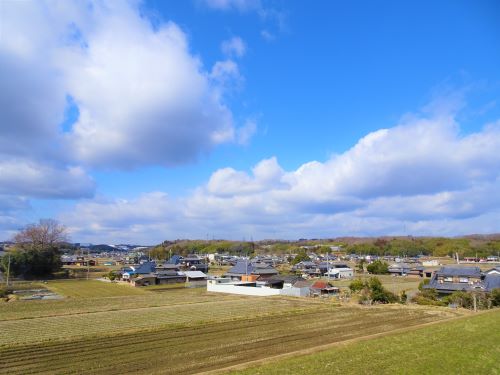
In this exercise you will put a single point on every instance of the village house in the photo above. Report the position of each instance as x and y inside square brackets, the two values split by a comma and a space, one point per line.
[399, 269]
[169, 277]
[149, 273]
[449, 279]
[190, 263]
[138, 269]
[307, 268]
[245, 269]
[270, 287]
[339, 271]
[73, 260]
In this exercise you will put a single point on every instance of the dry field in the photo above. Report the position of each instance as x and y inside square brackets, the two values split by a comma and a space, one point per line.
[91, 288]
[214, 335]
[56, 327]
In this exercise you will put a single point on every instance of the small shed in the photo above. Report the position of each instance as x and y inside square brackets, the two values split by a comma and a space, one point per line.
[324, 288]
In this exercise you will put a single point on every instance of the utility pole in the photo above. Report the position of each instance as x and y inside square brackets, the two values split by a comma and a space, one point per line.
[88, 263]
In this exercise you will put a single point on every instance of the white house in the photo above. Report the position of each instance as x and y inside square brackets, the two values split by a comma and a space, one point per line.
[340, 271]
[255, 288]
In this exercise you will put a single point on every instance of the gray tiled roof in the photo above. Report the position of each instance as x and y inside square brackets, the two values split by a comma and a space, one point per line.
[244, 267]
[450, 286]
[459, 271]
[489, 283]
[146, 267]
[400, 266]
[492, 281]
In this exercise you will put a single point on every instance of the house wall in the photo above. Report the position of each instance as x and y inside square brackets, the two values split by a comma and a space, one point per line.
[175, 280]
[295, 292]
[346, 273]
[212, 286]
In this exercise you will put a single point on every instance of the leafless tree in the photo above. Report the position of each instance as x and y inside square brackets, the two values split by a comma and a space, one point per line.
[45, 233]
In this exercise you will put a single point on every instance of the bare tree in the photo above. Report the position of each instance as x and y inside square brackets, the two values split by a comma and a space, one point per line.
[46, 233]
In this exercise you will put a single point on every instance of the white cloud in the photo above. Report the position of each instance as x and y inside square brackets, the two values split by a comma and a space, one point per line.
[224, 72]
[239, 5]
[268, 36]
[31, 179]
[422, 176]
[143, 98]
[245, 133]
[234, 47]
[229, 182]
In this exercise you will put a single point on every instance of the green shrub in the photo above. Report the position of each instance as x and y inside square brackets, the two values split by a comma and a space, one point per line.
[403, 297]
[300, 257]
[495, 297]
[378, 268]
[423, 283]
[461, 299]
[373, 291]
[422, 300]
[356, 285]
[4, 291]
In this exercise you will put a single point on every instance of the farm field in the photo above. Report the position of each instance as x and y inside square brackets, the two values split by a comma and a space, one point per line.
[73, 306]
[463, 346]
[91, 288]
[212, 336]
[92, 272]
[111, 322]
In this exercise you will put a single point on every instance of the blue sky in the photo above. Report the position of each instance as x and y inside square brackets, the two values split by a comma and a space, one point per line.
[145, 121]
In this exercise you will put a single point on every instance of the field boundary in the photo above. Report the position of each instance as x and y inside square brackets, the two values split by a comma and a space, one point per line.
[324, 347]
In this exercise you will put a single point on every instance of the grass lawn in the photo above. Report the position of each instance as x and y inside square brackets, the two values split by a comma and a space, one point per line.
[213, 335]
[91, 288]
[466, 346]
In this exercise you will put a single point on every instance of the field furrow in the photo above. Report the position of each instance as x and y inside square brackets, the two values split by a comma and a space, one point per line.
[206, 346]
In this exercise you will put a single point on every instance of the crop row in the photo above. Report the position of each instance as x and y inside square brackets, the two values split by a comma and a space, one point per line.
[190, 350]
[15, 332]
[69, 306]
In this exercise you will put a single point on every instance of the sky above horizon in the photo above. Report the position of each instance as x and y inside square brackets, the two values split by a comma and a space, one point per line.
[142, 121]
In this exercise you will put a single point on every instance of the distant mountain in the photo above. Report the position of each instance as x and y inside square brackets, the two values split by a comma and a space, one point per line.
[103, 247]
[120, 247]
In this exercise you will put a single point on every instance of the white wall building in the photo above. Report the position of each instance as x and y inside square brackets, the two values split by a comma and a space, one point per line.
[226, 285]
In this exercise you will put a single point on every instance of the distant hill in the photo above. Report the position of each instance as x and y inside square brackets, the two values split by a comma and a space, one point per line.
[103, 247]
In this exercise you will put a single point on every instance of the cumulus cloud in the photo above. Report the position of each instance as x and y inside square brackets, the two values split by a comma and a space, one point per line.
[142, 97]
[422, 176]
[31, 179]
[228, 182]
[234, 47]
